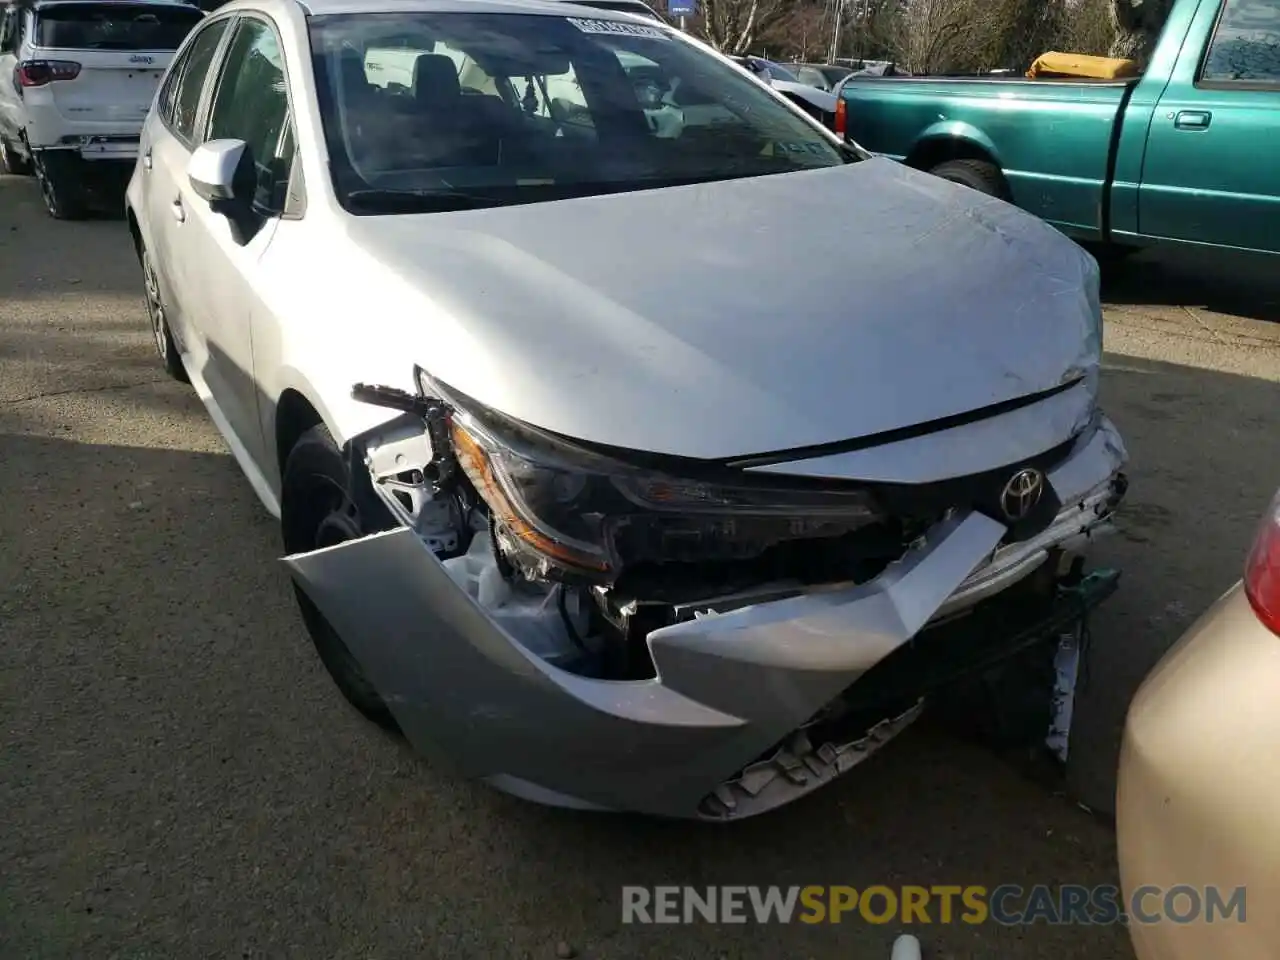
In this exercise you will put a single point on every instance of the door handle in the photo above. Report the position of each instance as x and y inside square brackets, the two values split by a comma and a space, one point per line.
[146, 159]
[179, 212]
[1192, 119]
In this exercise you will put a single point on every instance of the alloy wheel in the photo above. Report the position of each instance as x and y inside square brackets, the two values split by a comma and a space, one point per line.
[155, 306]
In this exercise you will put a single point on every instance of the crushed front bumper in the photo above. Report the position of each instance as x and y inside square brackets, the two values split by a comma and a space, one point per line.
[704, 738]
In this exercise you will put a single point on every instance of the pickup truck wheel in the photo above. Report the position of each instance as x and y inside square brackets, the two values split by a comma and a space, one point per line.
[317, 510]
[975, 174]
[11, 161]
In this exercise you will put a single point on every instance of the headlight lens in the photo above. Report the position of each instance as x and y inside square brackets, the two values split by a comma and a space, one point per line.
[562, 507]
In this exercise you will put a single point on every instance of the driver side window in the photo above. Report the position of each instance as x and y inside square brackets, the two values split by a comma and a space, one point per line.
[252, 104]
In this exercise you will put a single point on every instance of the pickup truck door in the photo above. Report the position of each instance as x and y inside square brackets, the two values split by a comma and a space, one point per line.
[1210, 174]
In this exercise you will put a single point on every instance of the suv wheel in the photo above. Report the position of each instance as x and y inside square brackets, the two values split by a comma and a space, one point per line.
[317, 510]
[165, 346]
[62, 198]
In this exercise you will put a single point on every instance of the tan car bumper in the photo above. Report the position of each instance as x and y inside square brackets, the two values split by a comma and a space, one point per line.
[1199, 787]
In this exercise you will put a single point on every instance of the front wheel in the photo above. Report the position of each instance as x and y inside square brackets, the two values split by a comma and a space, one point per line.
[317, 510]
[974, 174]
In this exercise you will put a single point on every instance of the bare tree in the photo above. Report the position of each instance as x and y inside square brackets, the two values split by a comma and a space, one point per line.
[734, 26]
[802, 33]
[1087, 27]
[966, 36]
[1137, 25]
[930, 34]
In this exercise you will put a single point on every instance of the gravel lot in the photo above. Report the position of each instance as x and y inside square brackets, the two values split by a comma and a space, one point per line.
[179, 778]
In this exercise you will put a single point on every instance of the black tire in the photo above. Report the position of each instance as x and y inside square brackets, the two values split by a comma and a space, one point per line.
[974, 174]
[318, 510]
[159, 317]
[11, 161]
[63, 198]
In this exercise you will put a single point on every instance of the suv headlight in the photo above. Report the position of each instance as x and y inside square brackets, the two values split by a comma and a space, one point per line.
[559, 507]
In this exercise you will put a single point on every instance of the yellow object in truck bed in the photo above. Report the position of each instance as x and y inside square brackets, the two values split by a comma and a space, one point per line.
[1083, 66]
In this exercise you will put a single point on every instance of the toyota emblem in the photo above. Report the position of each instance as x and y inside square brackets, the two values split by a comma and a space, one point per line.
[1021, 494]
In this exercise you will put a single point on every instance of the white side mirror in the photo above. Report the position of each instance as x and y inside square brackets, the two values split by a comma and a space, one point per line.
[212, 169]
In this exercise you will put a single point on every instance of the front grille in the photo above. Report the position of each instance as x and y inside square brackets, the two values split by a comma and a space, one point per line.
[977, 491]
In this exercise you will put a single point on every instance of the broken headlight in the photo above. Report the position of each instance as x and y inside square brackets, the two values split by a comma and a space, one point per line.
[559, 509]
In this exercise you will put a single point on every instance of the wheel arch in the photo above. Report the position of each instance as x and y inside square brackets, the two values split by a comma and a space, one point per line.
[930, 151]
[952, 140]
[295, 414]
[135, 230]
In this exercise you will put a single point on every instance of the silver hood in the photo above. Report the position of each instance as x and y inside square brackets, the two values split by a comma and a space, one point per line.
[746, 316]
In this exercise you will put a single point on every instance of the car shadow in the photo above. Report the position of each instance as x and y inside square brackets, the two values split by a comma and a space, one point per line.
[1241, 285]
[183, 779]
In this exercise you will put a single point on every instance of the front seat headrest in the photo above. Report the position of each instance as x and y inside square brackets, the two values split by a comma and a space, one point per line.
[435, 79]
[354, 79]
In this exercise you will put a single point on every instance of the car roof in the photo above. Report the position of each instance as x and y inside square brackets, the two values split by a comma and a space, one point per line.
[545, 7]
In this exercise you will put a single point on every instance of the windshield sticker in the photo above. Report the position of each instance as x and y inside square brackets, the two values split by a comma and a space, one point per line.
[616, 28]
[808, 146]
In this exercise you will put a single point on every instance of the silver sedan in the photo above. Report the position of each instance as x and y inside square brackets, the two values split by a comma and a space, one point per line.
[584, 483]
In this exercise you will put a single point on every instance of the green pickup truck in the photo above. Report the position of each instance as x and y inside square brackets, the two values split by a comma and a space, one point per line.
[1187, 153]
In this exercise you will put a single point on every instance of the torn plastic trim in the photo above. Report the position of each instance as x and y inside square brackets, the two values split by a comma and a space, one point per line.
[799, 768]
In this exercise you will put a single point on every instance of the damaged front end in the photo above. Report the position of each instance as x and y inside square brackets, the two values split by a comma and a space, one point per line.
[602, 629]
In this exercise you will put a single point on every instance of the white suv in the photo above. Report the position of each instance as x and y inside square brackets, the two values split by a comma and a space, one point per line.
[77, 78]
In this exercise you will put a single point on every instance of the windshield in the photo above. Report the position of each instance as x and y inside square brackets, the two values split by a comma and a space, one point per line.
[114, 26]
[441, 111]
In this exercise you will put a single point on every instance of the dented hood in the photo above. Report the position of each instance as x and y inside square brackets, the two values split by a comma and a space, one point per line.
[745, 316]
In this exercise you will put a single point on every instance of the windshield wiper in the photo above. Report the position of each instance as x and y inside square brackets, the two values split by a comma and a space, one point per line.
[421, 201]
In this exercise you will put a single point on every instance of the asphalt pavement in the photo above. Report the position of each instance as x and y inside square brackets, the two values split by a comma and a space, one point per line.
[180, 779]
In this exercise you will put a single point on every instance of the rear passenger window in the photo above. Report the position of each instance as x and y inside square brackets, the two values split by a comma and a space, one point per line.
[1246, 46]
[180, 98]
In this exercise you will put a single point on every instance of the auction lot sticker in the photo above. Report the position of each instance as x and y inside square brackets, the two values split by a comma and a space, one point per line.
[617, 29]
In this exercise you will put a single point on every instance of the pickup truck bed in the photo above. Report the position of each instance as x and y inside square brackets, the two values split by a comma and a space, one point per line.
[1184, 154]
